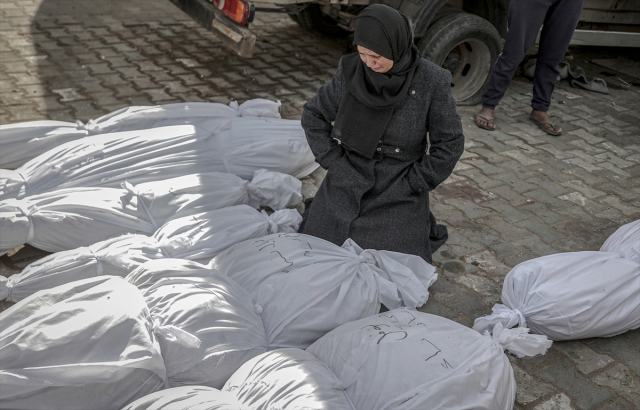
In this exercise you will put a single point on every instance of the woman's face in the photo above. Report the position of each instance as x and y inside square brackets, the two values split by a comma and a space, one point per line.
[374, 60]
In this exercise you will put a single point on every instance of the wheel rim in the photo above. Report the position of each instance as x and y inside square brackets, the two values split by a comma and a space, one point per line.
[469, 63]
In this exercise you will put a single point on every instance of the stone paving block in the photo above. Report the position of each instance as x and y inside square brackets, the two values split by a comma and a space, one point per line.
[545, 232]
[483, 286]
[534, 245]
[621, 348]
[618, 405]
[584, 189]
[470, 209]
[484, 166]
[578, 214]
[540, 195]
[558, 402]
[462, 246]
[586, 360]
[615, 216]
[444, 289]
[621, 379]
[625, 208]
[507, 211]
[506, 230]
[469, 305]
[611, 167]
[541, 211]
[436, 308]
[551, 187]
[516, 184]
[489, 264]
[492, 241]
[585, 394]
[634, 338]
[464, 226]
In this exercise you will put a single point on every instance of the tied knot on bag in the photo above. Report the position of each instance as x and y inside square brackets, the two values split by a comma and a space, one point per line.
[27, 213]
[367, 257]
[501, 314]
[519, 342]
[273, 227]
[258, 308]
[90, 126]
[148, 195]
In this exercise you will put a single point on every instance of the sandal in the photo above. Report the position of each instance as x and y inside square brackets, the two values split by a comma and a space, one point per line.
[542, 124]
[485, 127]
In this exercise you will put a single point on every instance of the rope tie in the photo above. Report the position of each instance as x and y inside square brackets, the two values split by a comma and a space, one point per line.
[100, 267]
[273, 227]
[225, 125]
[27, 187]
[25, 211]
[131, 189]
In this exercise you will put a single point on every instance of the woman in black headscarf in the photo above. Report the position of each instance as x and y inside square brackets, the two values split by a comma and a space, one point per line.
[385, 102]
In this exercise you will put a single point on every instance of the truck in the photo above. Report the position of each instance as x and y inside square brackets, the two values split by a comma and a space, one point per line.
[462, 36]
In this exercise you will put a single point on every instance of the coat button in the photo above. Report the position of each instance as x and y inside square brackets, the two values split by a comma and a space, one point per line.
[419, 190]
[397, 149]
[379, 149]
[413, 92]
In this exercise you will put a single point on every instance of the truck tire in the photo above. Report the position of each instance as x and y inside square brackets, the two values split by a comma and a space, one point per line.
[467, 46]
[314, 20]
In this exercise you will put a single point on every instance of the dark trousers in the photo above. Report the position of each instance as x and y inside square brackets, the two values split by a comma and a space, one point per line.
[559, 19]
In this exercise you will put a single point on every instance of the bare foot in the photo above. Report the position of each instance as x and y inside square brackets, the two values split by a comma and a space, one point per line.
[487, 121]
[542, 116]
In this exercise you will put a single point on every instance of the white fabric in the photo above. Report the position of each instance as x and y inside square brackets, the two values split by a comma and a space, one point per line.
[149, 273]
[306, 286]
[405, 359]
[625, 241]
[216, 316]
[23, 141]
[237, 145]
[199, 237]
[69, 218]
[568, 296]
[187, 398]
[287, 379]
[85, 345]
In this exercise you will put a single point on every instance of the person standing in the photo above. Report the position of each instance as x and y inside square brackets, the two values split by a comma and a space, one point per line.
[558, 19]
[384, 100]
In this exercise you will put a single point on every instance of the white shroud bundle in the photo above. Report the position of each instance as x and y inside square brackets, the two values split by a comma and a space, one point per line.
[625, 241]
[86, 345]
[235, 145]
[199, 238]
[214, 319]
[305, 286]
[23, 141]
[410, 360]
[70, 218]
[567, 296]
[188, 398]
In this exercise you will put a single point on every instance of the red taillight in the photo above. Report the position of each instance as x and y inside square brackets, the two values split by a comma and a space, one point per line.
[236, 10]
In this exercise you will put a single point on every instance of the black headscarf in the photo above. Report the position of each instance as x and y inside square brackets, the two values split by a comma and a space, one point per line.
[367, 106]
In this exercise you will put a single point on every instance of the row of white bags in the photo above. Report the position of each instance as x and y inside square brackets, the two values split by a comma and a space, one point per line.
[198, 238]
[69, 218]
[23, 141]
[401, 359]
[205, 325]
[575, 295]
[237, 145]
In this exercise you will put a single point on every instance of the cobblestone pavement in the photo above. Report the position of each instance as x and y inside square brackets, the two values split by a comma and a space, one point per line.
[516, 193]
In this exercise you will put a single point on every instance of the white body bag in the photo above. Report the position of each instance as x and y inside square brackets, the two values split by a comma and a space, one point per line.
[70, 218]
[86, 345]
[199, 238]
[305, 286]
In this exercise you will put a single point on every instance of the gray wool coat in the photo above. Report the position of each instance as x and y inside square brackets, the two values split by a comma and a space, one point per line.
[383, 203]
